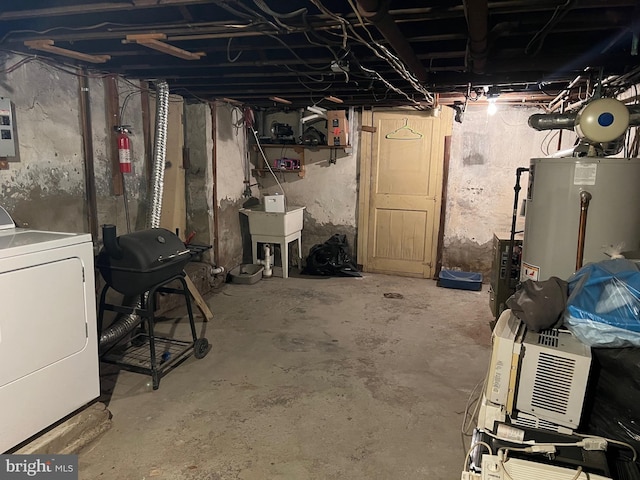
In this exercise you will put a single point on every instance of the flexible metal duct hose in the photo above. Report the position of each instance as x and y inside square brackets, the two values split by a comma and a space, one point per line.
[128, 322]
[159, 154]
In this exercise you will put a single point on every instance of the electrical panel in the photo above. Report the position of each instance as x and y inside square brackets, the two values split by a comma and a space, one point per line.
[7, 132]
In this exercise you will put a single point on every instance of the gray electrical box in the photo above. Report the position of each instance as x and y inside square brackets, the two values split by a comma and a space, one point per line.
[7, 132]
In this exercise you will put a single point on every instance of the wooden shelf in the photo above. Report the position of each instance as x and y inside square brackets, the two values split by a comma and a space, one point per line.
[299, 149]
[300, 146]
[262, 171]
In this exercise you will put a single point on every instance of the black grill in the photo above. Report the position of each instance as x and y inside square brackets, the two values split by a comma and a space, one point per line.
[135, 262]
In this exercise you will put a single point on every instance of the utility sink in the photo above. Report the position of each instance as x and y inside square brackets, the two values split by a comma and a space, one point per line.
[274, 224]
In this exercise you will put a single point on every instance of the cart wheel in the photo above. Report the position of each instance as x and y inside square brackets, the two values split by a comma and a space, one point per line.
[201, 348]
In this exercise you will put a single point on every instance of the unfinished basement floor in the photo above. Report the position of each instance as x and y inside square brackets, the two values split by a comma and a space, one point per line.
[308, 378]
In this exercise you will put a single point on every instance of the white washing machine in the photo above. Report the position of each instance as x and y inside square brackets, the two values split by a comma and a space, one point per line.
[48, 344]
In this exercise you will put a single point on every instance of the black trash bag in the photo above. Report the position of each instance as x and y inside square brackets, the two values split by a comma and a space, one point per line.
[331, 259]
[540, 305]
[612, 409]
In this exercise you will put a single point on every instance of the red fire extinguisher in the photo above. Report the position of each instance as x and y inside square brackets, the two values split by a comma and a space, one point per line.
[124, 148]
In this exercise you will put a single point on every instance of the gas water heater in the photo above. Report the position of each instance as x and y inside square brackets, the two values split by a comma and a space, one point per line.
[580, 208]
[551, 234]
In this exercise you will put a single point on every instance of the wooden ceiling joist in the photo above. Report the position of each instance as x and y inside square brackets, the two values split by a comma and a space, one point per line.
[154, 41]
[48, 46]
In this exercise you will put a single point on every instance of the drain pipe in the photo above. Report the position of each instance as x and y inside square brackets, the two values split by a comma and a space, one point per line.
[377, 12]
[128, 322]
[268, 266]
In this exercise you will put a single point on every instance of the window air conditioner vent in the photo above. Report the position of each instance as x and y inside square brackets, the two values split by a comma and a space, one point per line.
[552, 384]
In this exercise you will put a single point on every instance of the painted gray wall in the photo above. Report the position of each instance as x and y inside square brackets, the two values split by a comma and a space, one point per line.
[45, 187]
[485, 153]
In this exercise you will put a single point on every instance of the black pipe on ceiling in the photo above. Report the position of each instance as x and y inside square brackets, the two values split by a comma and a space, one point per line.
[377, 12]
[477, 14]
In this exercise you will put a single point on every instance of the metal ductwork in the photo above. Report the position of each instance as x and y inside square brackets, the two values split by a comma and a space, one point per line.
[159, 154]
[128, 322]
[477, 14]
[553, 121]
[377, 12]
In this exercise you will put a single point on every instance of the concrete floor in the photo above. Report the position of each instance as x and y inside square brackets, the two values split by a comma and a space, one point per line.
[308, 378]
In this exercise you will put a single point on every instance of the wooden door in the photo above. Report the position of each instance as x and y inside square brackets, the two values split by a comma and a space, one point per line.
[403, 208]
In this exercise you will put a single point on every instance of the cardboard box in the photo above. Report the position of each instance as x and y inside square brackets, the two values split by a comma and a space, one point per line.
[337, 128]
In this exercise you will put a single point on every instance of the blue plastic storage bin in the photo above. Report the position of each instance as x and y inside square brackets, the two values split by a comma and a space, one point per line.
[460, 280]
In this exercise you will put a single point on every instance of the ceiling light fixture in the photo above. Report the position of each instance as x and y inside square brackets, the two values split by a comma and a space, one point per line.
[48, 46]
[333, 99]
[152, 40]
[280, 100]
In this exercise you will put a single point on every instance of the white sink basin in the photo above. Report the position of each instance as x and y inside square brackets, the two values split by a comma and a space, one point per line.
[272, 223]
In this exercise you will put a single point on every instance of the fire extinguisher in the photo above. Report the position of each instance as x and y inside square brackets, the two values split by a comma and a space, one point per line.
[124, 148]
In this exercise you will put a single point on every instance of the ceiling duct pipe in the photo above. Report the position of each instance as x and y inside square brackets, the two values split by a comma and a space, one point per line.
[377, 12]
[553, 121]
[477, 14]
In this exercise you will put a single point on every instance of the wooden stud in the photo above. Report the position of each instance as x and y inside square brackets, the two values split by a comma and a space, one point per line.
[113, 119]
[153, 40]
[48, 46]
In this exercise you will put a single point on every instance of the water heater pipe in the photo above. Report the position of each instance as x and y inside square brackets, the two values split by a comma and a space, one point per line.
[585, 198]
[512, 239]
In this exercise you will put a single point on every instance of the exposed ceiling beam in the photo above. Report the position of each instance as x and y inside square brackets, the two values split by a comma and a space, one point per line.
[377, 13]
[87, 8]
[477, 15]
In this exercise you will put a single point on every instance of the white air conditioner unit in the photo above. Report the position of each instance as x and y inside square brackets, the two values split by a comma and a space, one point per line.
[538, 379]
[493, 468]
[553, 376]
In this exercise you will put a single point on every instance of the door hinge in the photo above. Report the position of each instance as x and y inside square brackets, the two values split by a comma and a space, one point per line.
[83, 277]
[86, 330]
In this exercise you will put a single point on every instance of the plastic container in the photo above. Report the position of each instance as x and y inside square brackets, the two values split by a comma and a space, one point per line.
[247, 274]
[460, 280]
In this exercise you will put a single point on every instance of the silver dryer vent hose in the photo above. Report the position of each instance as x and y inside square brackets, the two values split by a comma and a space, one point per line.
[128, 322]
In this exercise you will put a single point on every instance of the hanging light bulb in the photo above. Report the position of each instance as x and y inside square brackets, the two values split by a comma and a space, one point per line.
[492, 108]
[492, 93]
